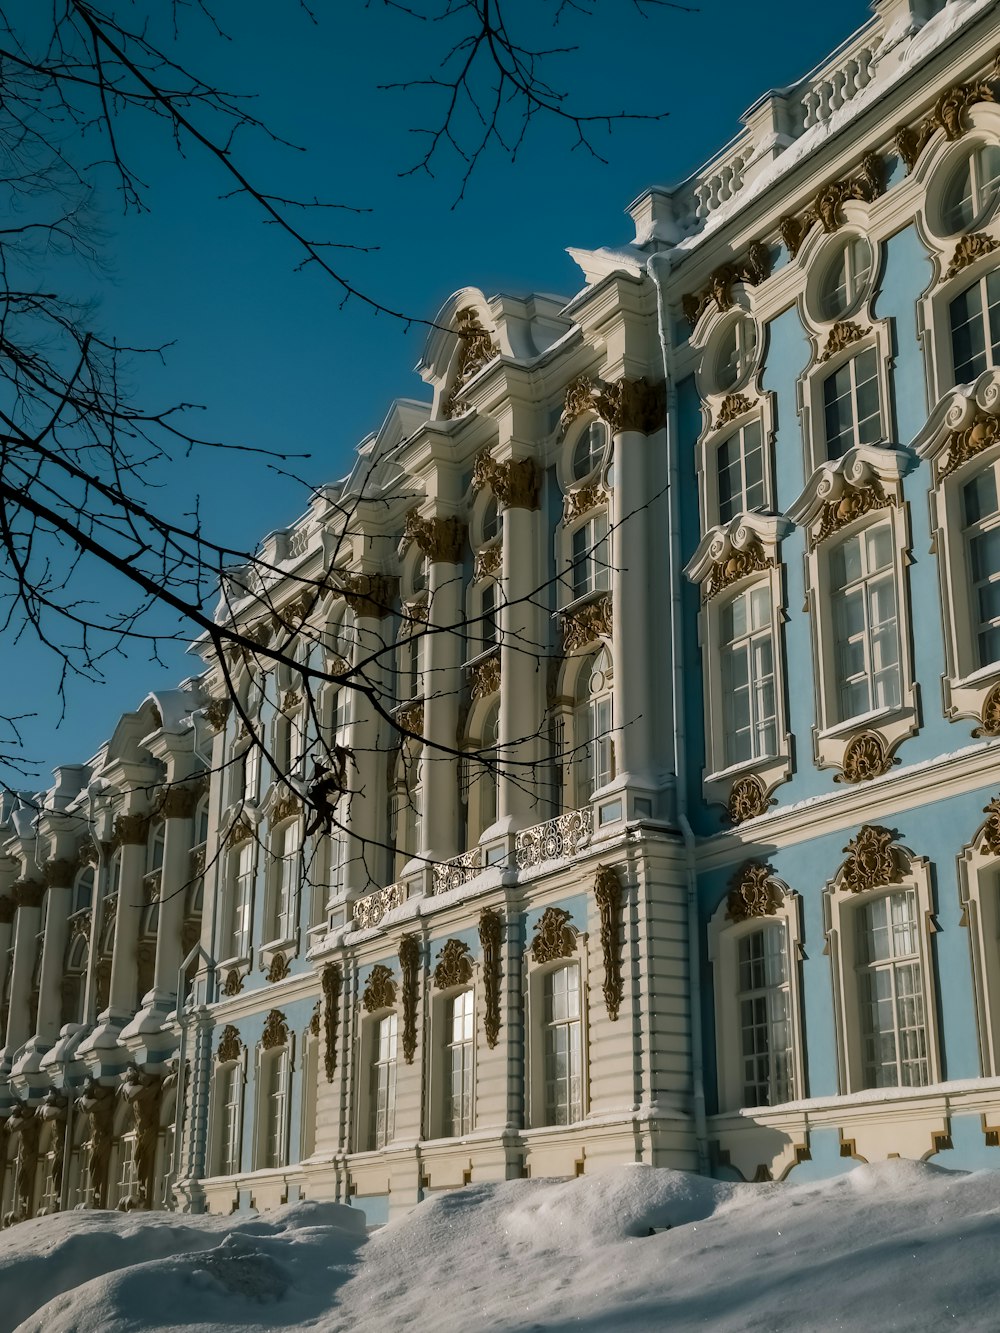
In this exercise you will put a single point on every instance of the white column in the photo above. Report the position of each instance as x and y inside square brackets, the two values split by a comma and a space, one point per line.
[27, 894]
[175, 876]
[130, 833]
[59, 875]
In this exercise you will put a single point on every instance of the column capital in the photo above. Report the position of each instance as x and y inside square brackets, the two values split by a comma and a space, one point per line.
[130, 830]
[59, 873]
[28, 892]
[7, 906]
[370, 595]
[440, 539]
[638, 405]
[516, 483]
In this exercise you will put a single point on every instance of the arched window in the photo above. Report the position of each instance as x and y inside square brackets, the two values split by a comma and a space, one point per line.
[75, 978]
[479, 784]
[83, 890]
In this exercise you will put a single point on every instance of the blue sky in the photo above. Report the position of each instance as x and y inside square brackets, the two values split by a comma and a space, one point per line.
[269, 352]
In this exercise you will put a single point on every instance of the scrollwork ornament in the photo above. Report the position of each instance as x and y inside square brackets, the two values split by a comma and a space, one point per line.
[488, 561]
[441, 539]
[477, 350]
[963, 445]
[516, 483]
[949, 113]
[753, 269]
[332, 983]
[380, 990]
[747, 799]
[278, 969]
[843, 335]
[59, 873]
[991, 827]
[827, 205]
[215, 713]
[484, 677]
[587, 624]
[554, 937]
[753, 893]
[230, 1047]
[737, 565]
[369, 596]
[734, 405]
[608, 895]
[990, 715]
[872, 860]
[491, 939]
[633, 405]
[233, 983]
[853, 503]
[580, 395]
[28, 892]
[583, 500]
[967, 251]
[865, 757]
[409, 966]
[275, 1030]
[454, 967]
[130, 830]
[289, 807]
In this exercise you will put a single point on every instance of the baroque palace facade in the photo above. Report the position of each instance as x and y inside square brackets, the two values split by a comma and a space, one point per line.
[659, 811]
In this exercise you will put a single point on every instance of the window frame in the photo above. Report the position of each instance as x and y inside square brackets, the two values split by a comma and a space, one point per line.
[533, 981]
[979, 895]
[279, 1059]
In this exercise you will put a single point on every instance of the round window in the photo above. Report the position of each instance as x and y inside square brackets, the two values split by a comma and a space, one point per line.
[419, 578]
[589, 451]
[491, 520]
[845, 278]
[735, 355]
[972, 188]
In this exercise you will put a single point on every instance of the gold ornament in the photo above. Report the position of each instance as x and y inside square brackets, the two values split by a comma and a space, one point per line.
[380, 992]
[872, 861]
[865, 757]
[608, 894]
[753, 893]
[454, 966]
[491, 939]
[754, 269]
[553, 937]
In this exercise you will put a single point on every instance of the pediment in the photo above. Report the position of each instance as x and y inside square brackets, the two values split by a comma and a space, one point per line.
[839, 491]
[733, 550]
[963, 423]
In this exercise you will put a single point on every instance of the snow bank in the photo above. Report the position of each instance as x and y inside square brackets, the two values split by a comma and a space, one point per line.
[899, 1245]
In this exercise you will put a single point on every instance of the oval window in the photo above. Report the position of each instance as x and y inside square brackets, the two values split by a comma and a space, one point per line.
[845, 278]
[589, 451]
[972, 188]
[735, 355]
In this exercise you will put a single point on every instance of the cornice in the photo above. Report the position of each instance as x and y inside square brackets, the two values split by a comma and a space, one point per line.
[278, 995]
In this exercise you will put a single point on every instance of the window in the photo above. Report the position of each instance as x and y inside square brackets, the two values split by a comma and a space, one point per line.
[765, 1023]
[891, 998]
[589, 450]
[83, 890]
[410, 654]
[981, 533]
[273, 1107]
[590, 569]
[740, 470]
[491, 523]
[489, 632]
[74, 978]
[229, 1091]
[972, 189]
[593, 722]
[851, 404]
[458, 1061]
[404, 808]
[735, 356]
[748, 691]
[242, 863]
[866, 632]
[845, 279]
[563, 1053]
[383, 1083]
[286, 882]
[478, 780]
[975, 328]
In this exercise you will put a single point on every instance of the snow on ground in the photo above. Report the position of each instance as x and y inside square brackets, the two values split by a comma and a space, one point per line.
[899, 1245]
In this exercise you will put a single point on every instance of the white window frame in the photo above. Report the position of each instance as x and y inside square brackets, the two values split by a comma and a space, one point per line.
[283, 895]
[241, 875]
[979, 893]
[595, 536]
[534, 980]
[274, 1089]
[221, 1140]
[442, 1018]
[376, 1132]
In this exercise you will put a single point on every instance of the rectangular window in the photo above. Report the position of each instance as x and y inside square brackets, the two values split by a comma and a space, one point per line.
[242, 901]
[866, 647]
[975, 328]
[563, 1047]
[894, 1037]
[489, 632]
[458, 1066]
[286, 886]
[749, 707]
[740, 462]
[982, 542]
[274, 1109]
[591, 567]
[765, 1027]
[598, 754]
[383, 1083]
[851, 405]
[231, 1108]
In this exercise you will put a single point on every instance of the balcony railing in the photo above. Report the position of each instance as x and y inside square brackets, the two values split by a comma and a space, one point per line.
[369, 911]
[458, 871]
[554, 840]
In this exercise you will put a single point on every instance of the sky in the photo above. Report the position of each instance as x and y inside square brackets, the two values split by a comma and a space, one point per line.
[273, 356]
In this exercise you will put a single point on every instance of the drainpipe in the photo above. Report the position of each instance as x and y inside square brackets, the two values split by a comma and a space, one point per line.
[658, 268]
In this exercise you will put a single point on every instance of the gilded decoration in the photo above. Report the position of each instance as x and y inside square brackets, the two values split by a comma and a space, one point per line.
[196, 862]
[291, 701]
[737, 565]
[484, 677]
[332, 982]
[369, 911]
[477, 350]
[583, 500]
[990, 715]
[239, 832]
[967, 251]
[233, 983]
[963, 445]
[843, 334]
[872, 861]
[279, 968]
[59, 874]
[275, 1030]
[608, 894]
[747, 799]
[88, 855]
[230, 1046]
[491, 939]
[488, 561]
[314, 1020]
[369, 596]
[409, 966]
[586, 624]
[866, 756]
[853, 503]
[440, 539]
[130, 830]
[733, 405]
[516, 483]
[949, 114]
[454, 967]
[380, 991]
[753, 892]
[826, 207]
[81, 923]
[7, 908]
[27, 892]
[634, 405]
[288, 807]
[411, 719]
[554, 938]
[753, 269]
[216, 711]
[991, 828]
[579, 399]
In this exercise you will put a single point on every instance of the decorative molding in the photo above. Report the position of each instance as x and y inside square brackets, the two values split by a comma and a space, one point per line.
[59, 874]
[608, 895]
[130, 830]
[554, 938]
[866, 756]
[332, 983]
[279, 968]
[737, 565]
[872, 861]
[990, 715]
[753, 893]
[753, 269]
[990, 832]
[179, 802]
[843, 334]
[27, 892]
[440, 539]
[583, 500]
[734, 405]
[517, 483]
[411, 718]
[233, 983]
[963, 445]
[949, 114]
[88, 854]
[827, 206]
[454, 966]
[291, 701]
[484, 677]
[579, 398]
[275, 1030]
[491, 939]
[853, 502]
[477, 350]
[82, 921]
[635, 405]
[409, 966]
[967, 251]
[369, 596]
[747, 799]
[369, 910]
[230, 1047]
[288, 807]
[488, 561]
[380, 990]
[240, 831]
[314, 1020]
[586, 624]
[216, 711]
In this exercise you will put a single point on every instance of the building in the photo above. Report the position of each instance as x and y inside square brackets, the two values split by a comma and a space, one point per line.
[657, 714]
